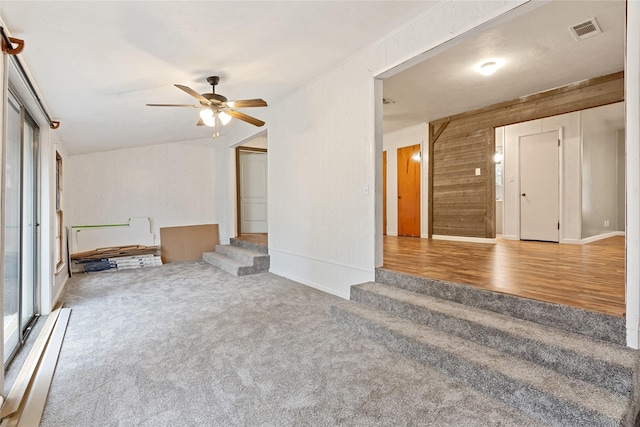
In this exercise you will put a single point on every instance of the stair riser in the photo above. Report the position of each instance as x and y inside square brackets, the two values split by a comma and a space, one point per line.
[261, 261]
[611, 376]
[216, 262]
[547, 408]
[591, 324]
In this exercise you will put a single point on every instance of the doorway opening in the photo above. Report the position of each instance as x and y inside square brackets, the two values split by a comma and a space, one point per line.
[416, 91]
[252, 190]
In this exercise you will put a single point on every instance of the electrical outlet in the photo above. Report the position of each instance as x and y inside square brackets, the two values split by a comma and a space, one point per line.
[606, 222]
[477, 171]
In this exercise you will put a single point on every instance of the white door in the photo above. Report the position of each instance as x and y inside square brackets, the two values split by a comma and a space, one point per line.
[253, 192]
[539, 193]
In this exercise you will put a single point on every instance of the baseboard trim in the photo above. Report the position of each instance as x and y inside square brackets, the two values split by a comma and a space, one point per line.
[484, 240]
[509, 237]
[316, 286]
[592, 238]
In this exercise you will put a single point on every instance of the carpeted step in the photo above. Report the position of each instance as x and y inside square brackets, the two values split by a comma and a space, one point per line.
[585, 322]
[604, 364]
[257, 247]
[238, 261]
[536, 390]
[245, 256]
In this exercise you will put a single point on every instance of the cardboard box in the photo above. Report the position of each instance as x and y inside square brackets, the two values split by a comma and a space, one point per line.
[187, 243]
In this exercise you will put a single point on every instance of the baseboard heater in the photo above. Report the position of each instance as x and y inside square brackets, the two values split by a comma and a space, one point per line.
[25, 402]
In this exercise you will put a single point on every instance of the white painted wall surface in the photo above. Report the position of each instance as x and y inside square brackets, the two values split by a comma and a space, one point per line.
[600, 171]
[172, 184]
[570, 205]
[632, 119]
[622, 173]
[415, 135]
[322, 160]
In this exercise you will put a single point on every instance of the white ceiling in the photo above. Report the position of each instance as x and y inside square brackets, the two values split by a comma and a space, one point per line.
[97, 63]
[538, 51]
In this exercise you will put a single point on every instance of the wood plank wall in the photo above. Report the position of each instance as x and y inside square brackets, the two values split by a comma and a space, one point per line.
[462, 203]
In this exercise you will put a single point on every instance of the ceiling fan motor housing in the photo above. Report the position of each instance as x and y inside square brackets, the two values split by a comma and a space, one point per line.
[215, 98]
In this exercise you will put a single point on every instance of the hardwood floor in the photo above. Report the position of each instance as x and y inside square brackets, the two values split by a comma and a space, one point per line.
[259, 238]
[588, 276]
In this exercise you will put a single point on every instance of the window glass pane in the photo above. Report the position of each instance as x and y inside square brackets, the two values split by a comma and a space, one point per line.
[12, 231]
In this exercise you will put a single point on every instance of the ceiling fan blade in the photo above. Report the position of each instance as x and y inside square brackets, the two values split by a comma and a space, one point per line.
[174, 105]
[247, 103]
[241, 116]
[193, 93]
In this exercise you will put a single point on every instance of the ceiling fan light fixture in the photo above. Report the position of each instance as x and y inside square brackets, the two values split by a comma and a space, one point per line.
[208, 117]
[205, 114]
[224, 118]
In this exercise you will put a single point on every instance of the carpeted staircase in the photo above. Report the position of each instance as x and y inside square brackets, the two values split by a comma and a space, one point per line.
[239, 258]
[565, 366]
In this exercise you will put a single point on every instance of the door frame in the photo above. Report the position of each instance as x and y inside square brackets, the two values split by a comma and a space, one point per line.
[238, 201]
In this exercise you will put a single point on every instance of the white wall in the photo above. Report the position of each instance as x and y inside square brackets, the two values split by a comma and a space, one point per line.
[622, 172]
[415, 135]
[172, 184]
[570, 205]
[323, 160]
[632, 120]
[600, 170]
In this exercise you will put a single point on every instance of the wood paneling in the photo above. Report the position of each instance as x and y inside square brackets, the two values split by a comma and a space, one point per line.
[588, 276]
[460, 144]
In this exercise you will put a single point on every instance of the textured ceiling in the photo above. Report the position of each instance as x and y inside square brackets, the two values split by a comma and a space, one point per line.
[538, 51]
[97, 63]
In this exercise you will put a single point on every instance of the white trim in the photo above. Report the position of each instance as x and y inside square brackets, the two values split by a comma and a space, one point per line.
[632, 116]
[322, 260]
[509, 237]
[465, 239]
[633, 338]
[592, 238]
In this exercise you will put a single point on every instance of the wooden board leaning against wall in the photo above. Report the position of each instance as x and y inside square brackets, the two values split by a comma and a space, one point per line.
[462, 203]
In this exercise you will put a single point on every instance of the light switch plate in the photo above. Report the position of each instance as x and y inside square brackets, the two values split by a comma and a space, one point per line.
[477, 171]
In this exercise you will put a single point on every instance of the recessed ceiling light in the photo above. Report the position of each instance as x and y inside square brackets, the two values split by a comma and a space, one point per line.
[488, 67]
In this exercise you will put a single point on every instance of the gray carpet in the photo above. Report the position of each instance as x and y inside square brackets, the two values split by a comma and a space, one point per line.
[187, 344]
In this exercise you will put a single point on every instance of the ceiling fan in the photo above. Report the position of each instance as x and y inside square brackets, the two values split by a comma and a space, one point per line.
[216, 108]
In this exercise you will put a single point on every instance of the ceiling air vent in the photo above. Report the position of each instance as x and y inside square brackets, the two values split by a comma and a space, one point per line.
[586, 29]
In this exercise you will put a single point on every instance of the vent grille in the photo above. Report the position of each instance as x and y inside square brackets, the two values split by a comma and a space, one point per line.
[585, 30]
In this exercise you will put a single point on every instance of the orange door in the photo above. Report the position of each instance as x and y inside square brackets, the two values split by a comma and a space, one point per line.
[384, 193]
[409, 191]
